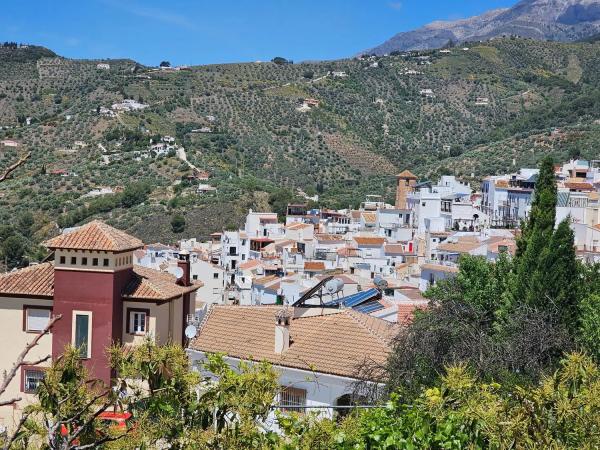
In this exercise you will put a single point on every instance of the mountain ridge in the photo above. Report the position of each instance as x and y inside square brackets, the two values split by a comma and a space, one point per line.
[557, 20]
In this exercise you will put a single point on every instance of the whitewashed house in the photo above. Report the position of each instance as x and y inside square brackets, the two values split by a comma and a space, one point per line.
[318, 352]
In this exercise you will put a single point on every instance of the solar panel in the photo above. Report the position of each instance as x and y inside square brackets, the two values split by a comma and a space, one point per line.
[358, 298]
[355, 299]
[369, 307]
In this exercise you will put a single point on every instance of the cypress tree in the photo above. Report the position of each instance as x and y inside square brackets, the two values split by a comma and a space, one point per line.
[543, 206]
[558, 276]
[536, 233]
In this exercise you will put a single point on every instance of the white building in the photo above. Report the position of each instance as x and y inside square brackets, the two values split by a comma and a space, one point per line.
[318, 352]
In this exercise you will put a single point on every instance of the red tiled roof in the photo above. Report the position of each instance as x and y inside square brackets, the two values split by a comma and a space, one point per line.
[146, 284]
[362, 240]
[579, 185]
[250, 264]
[406, 313]
[314, 266]
[32, 281]
[95, 235]
[407, 174]
[150, 284]
[336, 343]
[439, 268]
[329, 237]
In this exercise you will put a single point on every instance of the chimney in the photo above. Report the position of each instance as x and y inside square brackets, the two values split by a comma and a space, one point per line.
[282, 331]
[184, 263]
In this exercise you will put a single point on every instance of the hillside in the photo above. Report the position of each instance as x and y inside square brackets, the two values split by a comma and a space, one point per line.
[557, 20]
[468, 112]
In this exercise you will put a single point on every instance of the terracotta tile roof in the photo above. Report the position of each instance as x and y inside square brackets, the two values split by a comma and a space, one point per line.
[329, 237]
[348, 252]
[299, 226]
[407, 174]
[150, 284]
[367, 240]
[95, 235]
[250, 264]
[146, 284]
[510, 244]
[439, 268]
[395, 249]
[36, 281]
[335, 343]
[314, 266]
[265, 280]
[462, 246]
[406, 313]
[369, 217]
[579, 185]
[412, 294]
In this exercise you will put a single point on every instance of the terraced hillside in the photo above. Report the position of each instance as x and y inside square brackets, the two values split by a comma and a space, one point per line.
[469, 112]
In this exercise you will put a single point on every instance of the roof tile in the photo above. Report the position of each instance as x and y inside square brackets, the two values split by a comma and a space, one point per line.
[95, 235]
[335, 343]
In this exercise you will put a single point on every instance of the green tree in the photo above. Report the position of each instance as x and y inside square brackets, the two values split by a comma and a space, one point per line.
[13, 251]
[178, 223]
[25, 222]
[556, 282]
[536, 235]
[134, 194]
[589, 325]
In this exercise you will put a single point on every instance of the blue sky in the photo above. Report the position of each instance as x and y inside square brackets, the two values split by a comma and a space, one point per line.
[204, 32]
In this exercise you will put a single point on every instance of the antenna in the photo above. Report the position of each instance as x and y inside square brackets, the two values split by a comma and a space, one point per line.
[190, 331]
[178, 272]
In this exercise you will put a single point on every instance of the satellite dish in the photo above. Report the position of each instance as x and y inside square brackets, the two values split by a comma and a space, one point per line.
[190, 331]
[178, 272]
[380, 282]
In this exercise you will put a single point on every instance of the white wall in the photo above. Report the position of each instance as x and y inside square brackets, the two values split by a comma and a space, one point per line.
[321, 389]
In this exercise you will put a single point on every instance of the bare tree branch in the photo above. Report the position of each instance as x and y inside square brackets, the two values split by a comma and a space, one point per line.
[14, 435]
[12, 168]
[11, 375]
[11, 401]
[21, 358]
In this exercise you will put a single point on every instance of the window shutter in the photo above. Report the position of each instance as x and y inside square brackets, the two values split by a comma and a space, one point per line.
[37, 319]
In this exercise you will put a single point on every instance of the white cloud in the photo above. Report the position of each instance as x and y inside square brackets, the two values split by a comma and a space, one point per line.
[395, 5]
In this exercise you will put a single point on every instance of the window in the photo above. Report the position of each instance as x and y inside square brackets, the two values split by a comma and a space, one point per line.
[105, 262]
[137, 321]
[62, 260]
[84, 261]
[243, 257]
[215, 275]
[32, 377]
[73, 259]
[82, 333]
[290, 397]
[194, 277]
[36, 318]
[95, 262]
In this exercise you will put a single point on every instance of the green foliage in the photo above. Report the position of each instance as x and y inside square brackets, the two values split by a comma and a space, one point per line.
[178, 223]
[135, 193]
[13, 251]
[463, 412]
[589, 325]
